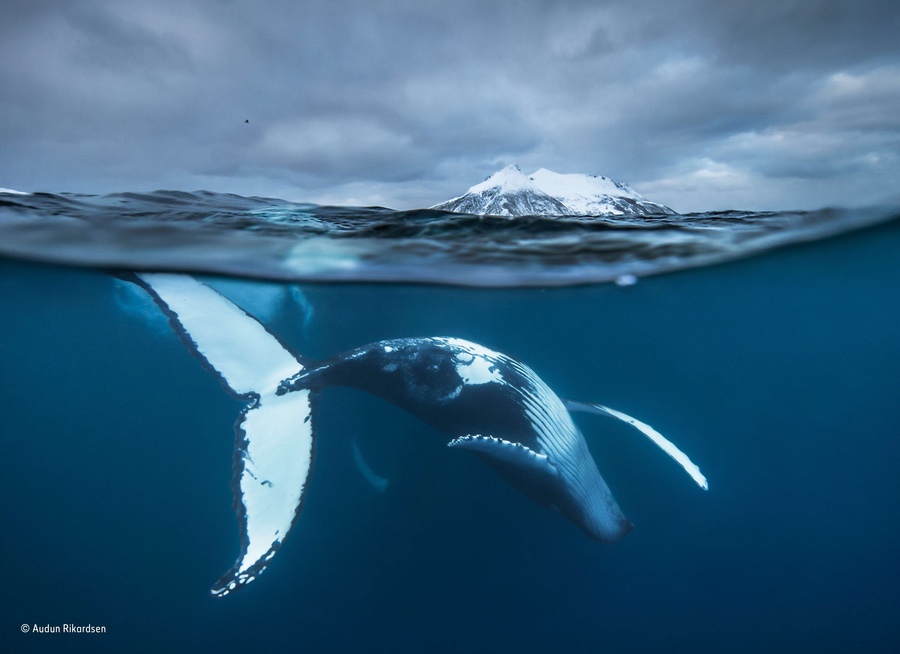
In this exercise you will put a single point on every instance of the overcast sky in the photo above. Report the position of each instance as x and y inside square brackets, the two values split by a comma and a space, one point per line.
[698, 104]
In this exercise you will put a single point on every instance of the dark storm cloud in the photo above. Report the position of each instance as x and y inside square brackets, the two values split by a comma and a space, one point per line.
[697, 103]
[784, 34]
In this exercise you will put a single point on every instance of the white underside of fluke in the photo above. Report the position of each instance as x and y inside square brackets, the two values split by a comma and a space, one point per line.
[274, 439]
[248, 358]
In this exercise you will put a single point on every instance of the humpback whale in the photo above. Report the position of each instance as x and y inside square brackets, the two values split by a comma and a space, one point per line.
[483, 400]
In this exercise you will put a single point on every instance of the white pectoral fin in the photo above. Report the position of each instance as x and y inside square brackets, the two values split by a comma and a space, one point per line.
[247, 358]
[661, 441]
[272, 469]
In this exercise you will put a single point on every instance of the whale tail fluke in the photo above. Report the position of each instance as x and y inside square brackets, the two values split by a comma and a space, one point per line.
[274, 444]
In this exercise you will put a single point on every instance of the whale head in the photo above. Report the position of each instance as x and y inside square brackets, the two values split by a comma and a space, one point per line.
[562, 476]
[584, 496]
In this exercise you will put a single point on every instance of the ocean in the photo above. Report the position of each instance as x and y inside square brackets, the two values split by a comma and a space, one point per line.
[766, 346]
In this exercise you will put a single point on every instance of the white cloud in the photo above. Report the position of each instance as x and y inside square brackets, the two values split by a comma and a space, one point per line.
[702, 185]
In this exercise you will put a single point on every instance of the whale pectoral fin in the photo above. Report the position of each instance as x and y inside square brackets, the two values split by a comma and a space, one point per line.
[272, 465]
[378, 483]
[661, 441]
[506, 452]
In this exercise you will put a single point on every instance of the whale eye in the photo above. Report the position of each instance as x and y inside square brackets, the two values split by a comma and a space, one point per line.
[464, 357]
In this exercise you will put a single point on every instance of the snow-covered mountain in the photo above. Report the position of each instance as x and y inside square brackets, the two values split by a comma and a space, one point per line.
[509, 192]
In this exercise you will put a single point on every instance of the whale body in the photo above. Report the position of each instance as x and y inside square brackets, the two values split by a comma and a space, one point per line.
[490, 403]
[483, 400]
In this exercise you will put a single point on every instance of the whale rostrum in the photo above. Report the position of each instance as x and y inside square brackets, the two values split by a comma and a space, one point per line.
[483, 400]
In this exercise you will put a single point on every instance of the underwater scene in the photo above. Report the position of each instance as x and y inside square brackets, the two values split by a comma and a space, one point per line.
[764, 346]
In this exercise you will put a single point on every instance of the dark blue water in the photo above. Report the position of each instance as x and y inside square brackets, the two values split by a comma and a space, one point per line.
[778, 375]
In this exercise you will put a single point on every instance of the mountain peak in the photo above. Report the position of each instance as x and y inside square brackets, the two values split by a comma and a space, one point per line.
[510, 178]
[509, 192]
